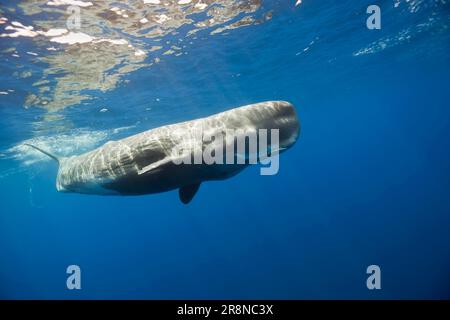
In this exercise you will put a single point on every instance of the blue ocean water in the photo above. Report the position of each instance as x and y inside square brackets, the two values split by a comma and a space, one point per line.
[368, 181]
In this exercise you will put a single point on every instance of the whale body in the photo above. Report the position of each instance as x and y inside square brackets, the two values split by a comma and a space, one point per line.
[146, 163]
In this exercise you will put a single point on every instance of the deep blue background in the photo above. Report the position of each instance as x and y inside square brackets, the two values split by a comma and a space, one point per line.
[368, 182]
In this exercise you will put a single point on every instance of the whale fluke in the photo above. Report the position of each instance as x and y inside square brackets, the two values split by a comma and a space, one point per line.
[43, 151]
[186, 193]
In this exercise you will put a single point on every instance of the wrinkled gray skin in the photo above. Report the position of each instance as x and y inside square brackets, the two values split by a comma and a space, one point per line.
[143, 163]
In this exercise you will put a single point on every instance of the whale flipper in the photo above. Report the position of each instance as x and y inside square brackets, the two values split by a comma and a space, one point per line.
[186, 193]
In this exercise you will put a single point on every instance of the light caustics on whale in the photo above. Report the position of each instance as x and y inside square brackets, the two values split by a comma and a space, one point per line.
[149, 162]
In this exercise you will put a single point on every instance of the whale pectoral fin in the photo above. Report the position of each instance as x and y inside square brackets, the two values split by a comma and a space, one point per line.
[186, 193]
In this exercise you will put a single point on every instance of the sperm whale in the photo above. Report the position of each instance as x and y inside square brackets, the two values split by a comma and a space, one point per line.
[164, 158]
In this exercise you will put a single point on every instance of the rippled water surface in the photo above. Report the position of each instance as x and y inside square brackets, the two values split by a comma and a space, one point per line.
[366, 183]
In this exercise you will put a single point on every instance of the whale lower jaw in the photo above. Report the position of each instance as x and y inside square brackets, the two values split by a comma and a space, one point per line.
[87, 188]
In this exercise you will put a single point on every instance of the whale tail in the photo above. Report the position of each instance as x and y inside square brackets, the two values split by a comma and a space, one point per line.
[44, 152]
